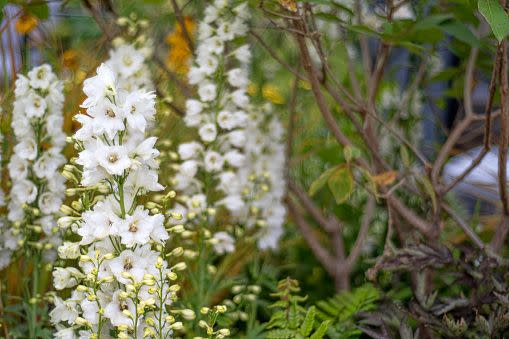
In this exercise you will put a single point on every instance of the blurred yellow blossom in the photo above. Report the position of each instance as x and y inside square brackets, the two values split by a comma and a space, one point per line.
[179, 54]
[70, 59]
[26, 23]
[272, 93]
[252, 89]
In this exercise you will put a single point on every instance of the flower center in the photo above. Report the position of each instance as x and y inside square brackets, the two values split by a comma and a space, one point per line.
[113, 158]
[37, 103]
[127, 60]
[133, 227]
[127, 264]
[133, 108]
[40, 74]
[110, 113]
[122, 306]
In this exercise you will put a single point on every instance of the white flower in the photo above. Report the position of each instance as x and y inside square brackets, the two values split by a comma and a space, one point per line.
[65, 277]
[113, 159]
[213, 161]
[208, 132]
[136, 228]
[189, 150]
[224, 243]
[131, 262]
[49, 202]
[41, 76]
[114, 310]
[237, 138]
[240, 98]
[238, 78]
[26, 149]
[235, 158]
[126, 59]
[226, 120]
[139, 109]
[24, 191]
[64, 311]
[193, 107]
[100, 86]
[69, 250]
[35, 105]
[243, 54]
[207, 91]
[233, 203]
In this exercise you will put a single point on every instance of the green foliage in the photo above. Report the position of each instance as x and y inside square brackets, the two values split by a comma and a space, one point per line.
[496, 17]
[342, 309]
[291, 320]
[340, 181]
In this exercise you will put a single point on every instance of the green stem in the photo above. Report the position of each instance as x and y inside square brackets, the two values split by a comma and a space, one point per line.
[32, 318]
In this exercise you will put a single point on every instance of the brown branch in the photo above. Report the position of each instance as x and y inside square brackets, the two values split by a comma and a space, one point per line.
[469, 81]
[504, 130]
[315, 212]
[314, 244]
[369, 213]
[276, 57]
[464, 226]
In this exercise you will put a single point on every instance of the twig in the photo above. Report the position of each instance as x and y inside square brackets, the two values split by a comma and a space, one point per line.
[369, 213]
[182, 23]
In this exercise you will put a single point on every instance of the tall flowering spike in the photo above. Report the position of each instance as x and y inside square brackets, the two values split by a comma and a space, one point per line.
[264, 175]
[238, 153]
[37, 187]
[8, 241]
[121, 282]
[219, 114]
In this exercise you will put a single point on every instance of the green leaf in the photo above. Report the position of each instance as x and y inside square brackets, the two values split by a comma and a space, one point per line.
[40, 10]
[363, 30]
[320, 182]
[341, 183]
[3, 3]
[309, 321]
[496, 17]
[320, 332]
[432, 21]
[461, 32]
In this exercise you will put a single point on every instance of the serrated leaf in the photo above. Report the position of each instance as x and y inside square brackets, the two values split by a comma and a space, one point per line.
[309, 321]
[341, 183]
[496, 17]
[320, 332]
[320, 182]
[279, 334]
[293, 316]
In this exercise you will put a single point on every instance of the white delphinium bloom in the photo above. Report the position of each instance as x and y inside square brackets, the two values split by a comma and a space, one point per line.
[218, 113]
[121, 271]
[129, 65]
[37, 188]
[263, 176]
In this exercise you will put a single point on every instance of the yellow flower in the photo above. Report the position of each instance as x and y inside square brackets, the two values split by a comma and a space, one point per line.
[272, 93]
[70, 59]
[252, 89]
[179, 54]
[26, 23]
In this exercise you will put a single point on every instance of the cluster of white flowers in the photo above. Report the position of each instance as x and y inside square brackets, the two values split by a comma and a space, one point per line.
[264, 175]
[240, 147]
[37, 187]
[219, 114]
[122, 282]
[7, 242]
[128, 63]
